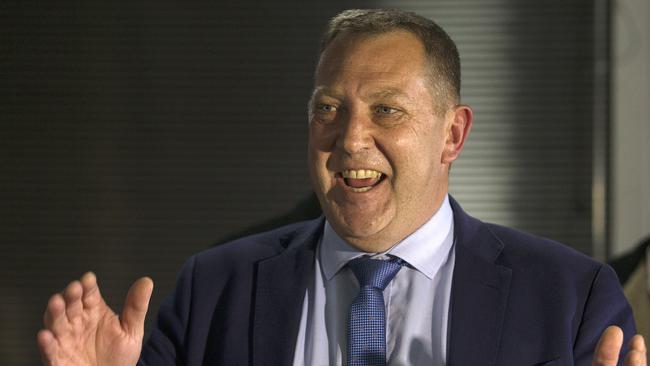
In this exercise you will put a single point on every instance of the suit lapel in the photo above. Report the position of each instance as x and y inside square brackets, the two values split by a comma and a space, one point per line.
[479, 293]
[281, 282]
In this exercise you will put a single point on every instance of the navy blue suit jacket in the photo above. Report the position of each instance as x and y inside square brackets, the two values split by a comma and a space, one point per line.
[516, 299]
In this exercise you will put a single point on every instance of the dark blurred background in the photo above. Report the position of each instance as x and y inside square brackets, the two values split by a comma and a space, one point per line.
[135, 134]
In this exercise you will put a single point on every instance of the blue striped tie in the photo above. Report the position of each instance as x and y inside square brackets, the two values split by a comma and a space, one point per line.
[367, 317]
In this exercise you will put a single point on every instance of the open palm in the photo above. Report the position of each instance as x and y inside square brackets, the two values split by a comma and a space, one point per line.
[80, 329]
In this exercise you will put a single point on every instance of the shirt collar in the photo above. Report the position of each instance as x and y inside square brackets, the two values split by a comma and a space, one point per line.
[426, 249]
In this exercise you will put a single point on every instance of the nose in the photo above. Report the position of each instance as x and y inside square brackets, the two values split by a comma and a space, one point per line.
[356, 134]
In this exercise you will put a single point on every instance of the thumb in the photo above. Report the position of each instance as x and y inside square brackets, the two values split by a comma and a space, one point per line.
[608, 347]
[136, 305]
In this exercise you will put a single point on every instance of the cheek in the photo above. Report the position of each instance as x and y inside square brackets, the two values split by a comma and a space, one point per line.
[317, 164]
[317, 174]
[321, 138]
[407, 150]
[415, 157]
[320, 146]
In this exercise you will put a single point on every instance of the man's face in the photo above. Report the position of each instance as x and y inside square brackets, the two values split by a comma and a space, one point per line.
[379, 145]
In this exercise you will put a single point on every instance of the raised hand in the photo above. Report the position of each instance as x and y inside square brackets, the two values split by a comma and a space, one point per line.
[609, 347]
[80, 329]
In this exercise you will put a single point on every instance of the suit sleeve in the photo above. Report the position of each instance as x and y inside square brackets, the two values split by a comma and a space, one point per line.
[606, 305]
[166, 344]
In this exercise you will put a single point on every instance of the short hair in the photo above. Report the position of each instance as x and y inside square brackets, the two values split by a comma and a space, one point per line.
[440, 49]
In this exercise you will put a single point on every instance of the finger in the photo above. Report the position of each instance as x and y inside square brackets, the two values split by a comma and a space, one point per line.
[636, 356]
[73, 306]
[54, 318]
[638, 343]
[136, 305]
[47, 345]
[91, 296]
[608, 347]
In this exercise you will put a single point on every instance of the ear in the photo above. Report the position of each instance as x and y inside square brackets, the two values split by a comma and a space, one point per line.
[459, 122]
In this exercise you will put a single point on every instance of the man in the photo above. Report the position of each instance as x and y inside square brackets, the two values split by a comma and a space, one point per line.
[441, 287]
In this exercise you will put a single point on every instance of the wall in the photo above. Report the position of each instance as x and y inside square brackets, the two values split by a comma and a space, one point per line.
[630, 125]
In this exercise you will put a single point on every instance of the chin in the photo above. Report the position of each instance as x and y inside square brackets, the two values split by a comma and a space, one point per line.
[359, 228]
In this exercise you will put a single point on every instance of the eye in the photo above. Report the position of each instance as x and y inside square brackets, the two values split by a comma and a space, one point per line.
[324, 113]
[382, 109]
[325, 108]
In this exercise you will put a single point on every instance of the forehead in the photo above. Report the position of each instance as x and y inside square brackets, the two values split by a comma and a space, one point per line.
[388, 58]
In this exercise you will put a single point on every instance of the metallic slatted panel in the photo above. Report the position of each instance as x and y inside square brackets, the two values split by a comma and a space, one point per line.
[528, 73]
[134, 135]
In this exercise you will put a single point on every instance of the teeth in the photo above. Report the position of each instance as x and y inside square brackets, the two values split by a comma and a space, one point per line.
[361, 174]
[358, 190]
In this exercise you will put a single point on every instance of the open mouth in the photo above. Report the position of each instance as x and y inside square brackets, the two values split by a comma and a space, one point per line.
[361, 180]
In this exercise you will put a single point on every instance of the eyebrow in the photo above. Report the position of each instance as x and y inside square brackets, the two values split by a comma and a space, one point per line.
[324, 90]
[381, 94]
[390, 93]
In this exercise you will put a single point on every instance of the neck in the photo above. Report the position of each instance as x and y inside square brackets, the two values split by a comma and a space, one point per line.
[393, 234]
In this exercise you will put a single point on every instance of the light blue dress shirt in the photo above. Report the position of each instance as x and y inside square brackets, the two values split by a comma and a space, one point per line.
[417, 300]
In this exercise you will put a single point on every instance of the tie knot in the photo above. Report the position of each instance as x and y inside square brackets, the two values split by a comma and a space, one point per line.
[374, 272]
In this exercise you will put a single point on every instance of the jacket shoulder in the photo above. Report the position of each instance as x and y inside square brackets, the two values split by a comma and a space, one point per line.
[251, 249]
[550, 280]
[525, 250]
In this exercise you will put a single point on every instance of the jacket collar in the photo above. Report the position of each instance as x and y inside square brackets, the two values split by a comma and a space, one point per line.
[280, 285]
[479, 293]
